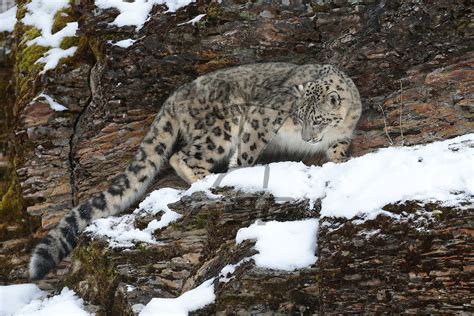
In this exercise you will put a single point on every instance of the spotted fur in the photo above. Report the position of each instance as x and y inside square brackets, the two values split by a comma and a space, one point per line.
[229, 117]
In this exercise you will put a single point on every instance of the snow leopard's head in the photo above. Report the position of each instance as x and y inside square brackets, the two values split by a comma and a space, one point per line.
[325, 105]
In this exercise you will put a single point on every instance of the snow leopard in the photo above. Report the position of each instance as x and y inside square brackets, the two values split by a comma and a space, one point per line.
[230, 117]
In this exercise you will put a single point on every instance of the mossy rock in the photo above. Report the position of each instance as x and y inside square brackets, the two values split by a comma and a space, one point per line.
[27, 59]
[93, 276]
[213, 10]
[69, 42]
[62, 18]
[16, 222]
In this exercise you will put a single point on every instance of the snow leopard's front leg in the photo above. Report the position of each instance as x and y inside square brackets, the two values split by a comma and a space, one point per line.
[259, 128]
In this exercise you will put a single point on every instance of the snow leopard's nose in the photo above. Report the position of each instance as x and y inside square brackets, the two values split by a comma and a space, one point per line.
[306, 137]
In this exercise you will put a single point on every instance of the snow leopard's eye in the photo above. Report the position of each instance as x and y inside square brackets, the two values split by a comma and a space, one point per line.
[334, 98]
[318, 122]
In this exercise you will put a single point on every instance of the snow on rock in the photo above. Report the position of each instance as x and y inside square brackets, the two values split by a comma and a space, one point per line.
[190, 301]
[29, 300]
[54, 40]
[136, 13]
[40, 14]
[124, 43]
[66, 303]
[52, 103]
[440, 171]
[15, 297]
[226, 273]
[193, 20]
[121, 232]
[52, 57]
[282, 245]
[8, 20]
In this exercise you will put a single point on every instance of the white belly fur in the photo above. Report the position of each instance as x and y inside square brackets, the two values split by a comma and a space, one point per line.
[288, 140]
[292, 143]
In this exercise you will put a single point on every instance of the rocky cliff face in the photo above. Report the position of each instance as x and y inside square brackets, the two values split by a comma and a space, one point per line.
[413, 63]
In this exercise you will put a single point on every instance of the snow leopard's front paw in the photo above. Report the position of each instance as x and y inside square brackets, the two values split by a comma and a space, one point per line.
[338, 152]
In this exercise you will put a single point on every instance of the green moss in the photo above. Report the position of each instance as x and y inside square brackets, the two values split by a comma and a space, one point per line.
[28, 55]
[21, 10]
[30, 33]
[201, 220]
[213, 10]
[463, 24]
[246, 15]
[61, 18]
[26, 60]
[13, 214]
[97, 271]
[437, 214]
[203, 23]
[14, 221]
[319, 8]
[10, 202]
[84, 53]
[11, 211]
[27, 71]
[69, 41]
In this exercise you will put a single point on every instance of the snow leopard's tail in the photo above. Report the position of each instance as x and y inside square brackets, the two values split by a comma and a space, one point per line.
[124, 191]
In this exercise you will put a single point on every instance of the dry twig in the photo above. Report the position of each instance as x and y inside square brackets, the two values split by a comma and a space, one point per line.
[385, 126]
[401, 113]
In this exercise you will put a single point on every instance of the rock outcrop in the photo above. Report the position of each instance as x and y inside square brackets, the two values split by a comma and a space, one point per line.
[413, 63]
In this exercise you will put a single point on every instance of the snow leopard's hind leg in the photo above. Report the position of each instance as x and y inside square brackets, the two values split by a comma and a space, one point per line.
[196, 161]
[211, 146]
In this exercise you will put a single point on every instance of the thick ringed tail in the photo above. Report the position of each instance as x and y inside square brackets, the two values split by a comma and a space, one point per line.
[124, 191]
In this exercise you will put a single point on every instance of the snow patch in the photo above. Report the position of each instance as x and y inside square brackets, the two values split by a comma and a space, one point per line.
[121, 232]
[54, 40]
[8, 20]
[52, 57]
[52, 103]
[440, 171]
[190, 301]
[66, 303]
[282, 245]
[123, 43]
[226, 273]
[136, 13]
[15, 297]
[193, 20]
[29, 300]
[40, 14]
